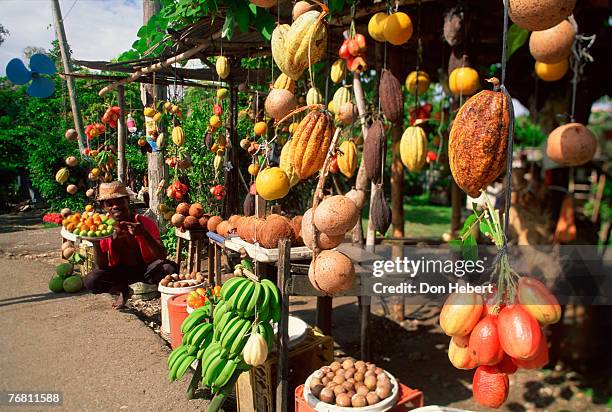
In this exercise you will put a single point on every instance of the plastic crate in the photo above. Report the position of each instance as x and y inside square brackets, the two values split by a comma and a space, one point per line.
[256, 389]
[408, 399]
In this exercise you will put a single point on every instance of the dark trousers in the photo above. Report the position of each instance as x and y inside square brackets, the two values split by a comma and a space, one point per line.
[117, 278]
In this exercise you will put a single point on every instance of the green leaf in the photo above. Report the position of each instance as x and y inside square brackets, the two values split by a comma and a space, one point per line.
[485, 228]
[265, 23]
[243, 16]
[228, 27]
[142, 32]
[466, 225]
[336, 5]
[516, 38]
[470, 248]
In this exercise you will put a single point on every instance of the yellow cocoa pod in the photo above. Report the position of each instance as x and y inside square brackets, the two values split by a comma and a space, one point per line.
[337, 72]
[313, 96]
[222, 66]
[178, 136]
[341, 96]
[284, 82]
[62, 175]
[413, 148]
[347, 160]
[287, 166]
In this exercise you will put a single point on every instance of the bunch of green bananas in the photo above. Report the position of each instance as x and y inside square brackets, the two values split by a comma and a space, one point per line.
[217, 339]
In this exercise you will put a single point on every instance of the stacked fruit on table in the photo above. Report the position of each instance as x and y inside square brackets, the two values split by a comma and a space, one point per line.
[176, 280]
[89, 223]
[228, 334]
[351, 383]
[498, 335]
[188, 216]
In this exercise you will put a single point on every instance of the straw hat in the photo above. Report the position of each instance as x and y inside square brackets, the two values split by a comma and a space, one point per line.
[112, 190]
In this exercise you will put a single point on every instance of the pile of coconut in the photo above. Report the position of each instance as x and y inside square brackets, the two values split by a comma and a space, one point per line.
[331, 271]
[190, 217]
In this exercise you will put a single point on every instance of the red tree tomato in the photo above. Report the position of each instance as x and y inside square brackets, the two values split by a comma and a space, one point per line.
[490, 386]
[519, 332]
[484, 342]
[536, 361]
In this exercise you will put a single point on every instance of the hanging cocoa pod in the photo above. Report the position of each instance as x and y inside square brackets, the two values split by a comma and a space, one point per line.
[391, 97]
[373, 151]
[380, 211]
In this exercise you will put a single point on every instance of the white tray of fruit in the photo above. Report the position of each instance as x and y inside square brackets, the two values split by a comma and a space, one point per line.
[351, 386]
[89, 225]
[176, 284]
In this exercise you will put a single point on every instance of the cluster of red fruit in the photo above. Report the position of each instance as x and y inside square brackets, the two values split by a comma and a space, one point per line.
[217, 109]
[177, 190]
[94, 130]
[218, 191]
[497, 337]
[53, 218]
[420, 113]
[111, 116]
[353, 51]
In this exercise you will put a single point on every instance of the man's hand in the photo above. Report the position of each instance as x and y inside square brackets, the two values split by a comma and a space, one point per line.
[133, 228]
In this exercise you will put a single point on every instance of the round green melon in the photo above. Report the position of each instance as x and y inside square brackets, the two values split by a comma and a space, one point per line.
[73, 284]
[64, 270]
[56, 284]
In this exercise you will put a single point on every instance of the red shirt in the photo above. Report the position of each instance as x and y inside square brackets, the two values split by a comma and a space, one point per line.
[106, 245]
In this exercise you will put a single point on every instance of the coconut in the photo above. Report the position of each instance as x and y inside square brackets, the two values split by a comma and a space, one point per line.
[183, 209]
[213, 221]
[223, 228]
[554, 44]
[233, 219]
[302, 7]
[65, 212]
[539, 15]
[68, 252]
[90, 193]
[203, 221]
[325, 241]
[296, 225]
[331, 272]
[336, 215]
[357, 196]
[571, 145]
[191, 223]
[177, 220]
[72, 161]
[251, 229]
[67, 244]
[276, 227]
[279, 103]
[196, 210]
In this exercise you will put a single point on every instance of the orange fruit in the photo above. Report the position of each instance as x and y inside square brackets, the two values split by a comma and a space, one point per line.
[551, 72]
[463, 80]
[376, 26]
[397, 28]
[215, 121]
[260, 128]
[89, 208]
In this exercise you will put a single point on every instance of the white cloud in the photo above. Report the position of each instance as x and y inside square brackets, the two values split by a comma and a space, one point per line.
[95, 29]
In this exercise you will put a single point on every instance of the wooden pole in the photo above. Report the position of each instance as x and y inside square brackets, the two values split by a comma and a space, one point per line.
[121, 136]
[65, 52]
[231, 202]
[155, 160]
[284, 273]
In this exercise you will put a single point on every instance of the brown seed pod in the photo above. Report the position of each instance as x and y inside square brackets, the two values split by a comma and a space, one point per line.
[381, 213]
[478, 141]
[373, 150]
[391, 97]
[311, 141]
[454, 22]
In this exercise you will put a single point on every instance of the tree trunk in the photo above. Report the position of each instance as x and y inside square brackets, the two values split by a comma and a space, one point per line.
[149, 93]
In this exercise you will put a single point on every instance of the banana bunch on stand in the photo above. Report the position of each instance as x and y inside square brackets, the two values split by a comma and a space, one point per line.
[228, 335]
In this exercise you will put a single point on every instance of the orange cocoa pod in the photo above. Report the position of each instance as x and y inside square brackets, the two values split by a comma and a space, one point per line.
[538, 301]
[460, 313]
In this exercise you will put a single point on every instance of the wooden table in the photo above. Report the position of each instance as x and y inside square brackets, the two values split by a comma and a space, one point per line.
[195, 242]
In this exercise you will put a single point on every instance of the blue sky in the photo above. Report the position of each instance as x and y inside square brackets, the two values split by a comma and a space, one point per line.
[96, 29]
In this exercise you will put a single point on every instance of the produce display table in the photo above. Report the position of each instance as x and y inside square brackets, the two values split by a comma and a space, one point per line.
[195, 242]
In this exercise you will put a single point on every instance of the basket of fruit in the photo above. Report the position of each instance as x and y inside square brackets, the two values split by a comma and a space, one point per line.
[351, 386]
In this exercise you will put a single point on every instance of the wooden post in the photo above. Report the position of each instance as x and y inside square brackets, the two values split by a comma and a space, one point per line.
[65, 52]
[324, 314]
[121, 137]
[155, 160]
[284, 272]
[231, 202]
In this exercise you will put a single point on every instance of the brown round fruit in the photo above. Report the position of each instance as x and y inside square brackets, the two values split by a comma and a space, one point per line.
[359, 376]
[383, 391]
[338, 389]
[336, 215]
[203, 221]
[314, 382]
[327, 395]
[183, 209]
[223, 228]
[334, 366]
[275, 228]
[325, 241]
[191, 223]
[348, 386]
[331, 272]
[359, 364]
[177, 220]
[370, 382]
[316, 390]
[325, 380]
[372, 398]
[213, 222]
[331, 375]
[554, 44]
[349, 373]
[196, 210]
[279, 103]
[343, 400]
[361, 389]
[339, 379]
[359, 401]
[348, 363]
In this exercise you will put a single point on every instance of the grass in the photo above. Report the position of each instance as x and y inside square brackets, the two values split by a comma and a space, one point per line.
[421, 219]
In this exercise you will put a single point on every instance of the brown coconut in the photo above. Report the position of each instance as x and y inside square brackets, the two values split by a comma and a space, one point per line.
[213, 221]
[203, 221]
[357, 196]
[571, 145]
[183, 208]
[554, 44]
[296, 225]
[336, 215]
[233, 219]
[177, 220]
[251, 230]
[223, 228]
[539, 15]
[302, 7]
[325, 241]
[331, 272]
[279, 103]
[275, 228]
[191, 223]
[196, 210]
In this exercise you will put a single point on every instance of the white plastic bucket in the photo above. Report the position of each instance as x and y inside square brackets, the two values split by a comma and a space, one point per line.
[166, 294]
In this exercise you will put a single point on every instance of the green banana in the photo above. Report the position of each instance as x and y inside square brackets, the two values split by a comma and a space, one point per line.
[275, 311]
[188, 338]
[238, 344]
[216, 366]
[263, 310]
[232, 287]
[265, 328]
[208, 353]
[247, 263]
[245, 298]
[220, 310]
[227, 316]
[195, 317]
[184, 366]
[233, 300]
[228, 285]
[228, 327]
[254, 301]
[203, 332]
[200, 353]
[225, 374]
[174, 354]
[233, 333]
[177, 363]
